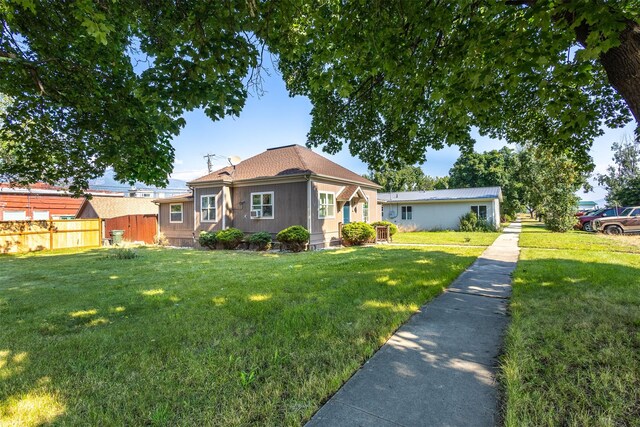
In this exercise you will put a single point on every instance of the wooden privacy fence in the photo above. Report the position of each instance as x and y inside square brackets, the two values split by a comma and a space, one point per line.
[27, 236]
[137, 228]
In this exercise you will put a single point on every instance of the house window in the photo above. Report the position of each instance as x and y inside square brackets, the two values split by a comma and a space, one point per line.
[365, 211]
[262, 205]
[14, 216]
[407, 212]
[208, 209]
[40, 215]
[175, 214]
[382, 211]
[326, 205]
[480, 211]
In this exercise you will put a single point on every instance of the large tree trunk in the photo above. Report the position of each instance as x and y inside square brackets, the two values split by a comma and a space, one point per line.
[622, 65]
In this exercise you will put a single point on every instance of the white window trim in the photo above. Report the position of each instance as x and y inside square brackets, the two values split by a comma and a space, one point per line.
[181, 213]
[366, 201]
[335, 207]
[273, 206]
[406, 213]
[215, 201]
[478, 214]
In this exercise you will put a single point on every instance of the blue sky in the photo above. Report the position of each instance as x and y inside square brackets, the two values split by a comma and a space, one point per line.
[276, 119]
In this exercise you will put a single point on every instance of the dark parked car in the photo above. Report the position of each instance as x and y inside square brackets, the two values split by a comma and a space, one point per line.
[584, 222]
[627, 222]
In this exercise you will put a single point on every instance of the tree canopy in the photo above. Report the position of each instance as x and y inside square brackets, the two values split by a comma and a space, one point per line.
[406, 178]
[531, 177]
[95, 84]
[622, 179]
[492, 168]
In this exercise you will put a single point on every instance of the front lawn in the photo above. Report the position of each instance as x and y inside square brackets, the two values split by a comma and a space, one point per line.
[446, 238]
[182, 337]
[535, 235]
[572, 351]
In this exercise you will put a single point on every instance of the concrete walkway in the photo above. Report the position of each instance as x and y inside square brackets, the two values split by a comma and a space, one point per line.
[439, 368]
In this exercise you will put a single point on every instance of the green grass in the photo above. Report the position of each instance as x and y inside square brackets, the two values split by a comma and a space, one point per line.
[534, 235]
[178, 337]
[572, 351]
[446, 238]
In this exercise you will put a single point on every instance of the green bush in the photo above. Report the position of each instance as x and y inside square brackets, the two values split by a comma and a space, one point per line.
[468, 222]
[485, 225]
[393, 229]
[506, 218]
[208, 239]
[230, 238]
[358, 233]
[261, 240]
[294, 238]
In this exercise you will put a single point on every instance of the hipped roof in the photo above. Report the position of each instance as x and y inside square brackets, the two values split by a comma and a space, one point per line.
[284, 161]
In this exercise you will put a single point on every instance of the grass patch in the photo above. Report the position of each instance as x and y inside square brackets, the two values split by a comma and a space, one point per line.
[572, 351]
[447, 238]
[535, 235]
[178, 337]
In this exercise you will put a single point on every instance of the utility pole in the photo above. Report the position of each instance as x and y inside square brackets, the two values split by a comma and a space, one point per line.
[209, 164]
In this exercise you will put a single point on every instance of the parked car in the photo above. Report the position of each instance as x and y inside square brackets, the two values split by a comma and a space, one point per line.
[627, 222]
[585, 221]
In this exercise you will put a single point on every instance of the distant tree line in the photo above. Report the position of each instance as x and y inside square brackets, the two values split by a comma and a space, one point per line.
[541, 181]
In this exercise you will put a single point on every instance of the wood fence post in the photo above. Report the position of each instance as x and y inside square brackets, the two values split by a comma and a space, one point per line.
[50, 234]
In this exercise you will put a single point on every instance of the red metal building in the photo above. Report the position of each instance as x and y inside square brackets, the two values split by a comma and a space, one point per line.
[40, 202]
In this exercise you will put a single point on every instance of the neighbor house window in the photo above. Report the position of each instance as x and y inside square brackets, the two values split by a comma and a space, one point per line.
[326, 205]
[208, 209]
[365, 211]
[407, 212]
[40, 215]
[175, 212]
[480, 211]
[262, 205]
[14, 216]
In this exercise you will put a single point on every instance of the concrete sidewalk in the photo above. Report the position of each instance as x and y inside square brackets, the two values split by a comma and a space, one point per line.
[439, 368]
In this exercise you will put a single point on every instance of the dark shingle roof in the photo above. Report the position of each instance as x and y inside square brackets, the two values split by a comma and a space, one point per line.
[448, 194]
[284, 161]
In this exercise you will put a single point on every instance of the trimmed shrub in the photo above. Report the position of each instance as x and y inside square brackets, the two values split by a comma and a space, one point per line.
[261, 240]
[358, 233]
[294, 238]
[393, 229]
[208, 239]
[229, 238]
[468, 222]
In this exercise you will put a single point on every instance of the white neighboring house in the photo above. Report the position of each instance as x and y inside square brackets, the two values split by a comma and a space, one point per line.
[440, 209]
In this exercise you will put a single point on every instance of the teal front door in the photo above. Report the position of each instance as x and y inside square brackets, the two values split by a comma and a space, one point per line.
[346, 213]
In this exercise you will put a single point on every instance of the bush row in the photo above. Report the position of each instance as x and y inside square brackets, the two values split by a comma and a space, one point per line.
[293, 238]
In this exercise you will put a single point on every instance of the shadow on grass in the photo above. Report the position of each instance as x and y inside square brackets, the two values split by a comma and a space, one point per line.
[187, 336]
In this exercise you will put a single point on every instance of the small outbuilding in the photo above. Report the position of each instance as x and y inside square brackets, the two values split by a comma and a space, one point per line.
[440, 209]
[136, 216]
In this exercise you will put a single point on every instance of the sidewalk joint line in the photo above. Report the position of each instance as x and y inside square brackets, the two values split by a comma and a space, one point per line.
[368, 413]
[475, 294]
